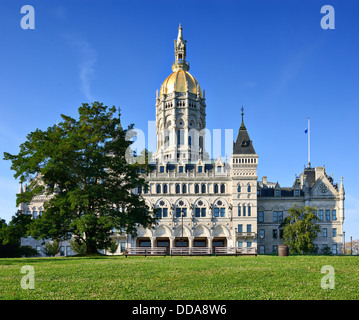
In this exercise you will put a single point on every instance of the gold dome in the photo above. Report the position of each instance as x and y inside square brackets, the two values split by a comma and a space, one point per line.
[178, 81]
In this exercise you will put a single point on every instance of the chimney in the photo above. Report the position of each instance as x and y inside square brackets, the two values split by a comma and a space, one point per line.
[264, 180]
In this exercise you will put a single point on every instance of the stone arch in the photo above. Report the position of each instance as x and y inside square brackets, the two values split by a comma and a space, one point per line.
[163, 231]
[221, 231]
[142, 233]
[201, 231]
[186, 232]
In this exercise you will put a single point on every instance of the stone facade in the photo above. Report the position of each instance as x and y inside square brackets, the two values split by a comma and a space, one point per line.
[213, 203]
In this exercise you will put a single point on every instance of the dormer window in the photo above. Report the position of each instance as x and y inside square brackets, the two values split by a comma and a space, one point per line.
[219, 169]
[180, 169]
[296, 193]
[200, 168]
[277, 193]
[162, 169]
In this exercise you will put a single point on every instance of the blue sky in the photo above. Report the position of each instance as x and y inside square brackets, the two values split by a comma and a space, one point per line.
[272, 57]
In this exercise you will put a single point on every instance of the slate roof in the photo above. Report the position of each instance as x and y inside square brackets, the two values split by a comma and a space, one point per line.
[243, 144]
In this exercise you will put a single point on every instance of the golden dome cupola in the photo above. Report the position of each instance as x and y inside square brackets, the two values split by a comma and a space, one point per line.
[180, 80]
[180, 112]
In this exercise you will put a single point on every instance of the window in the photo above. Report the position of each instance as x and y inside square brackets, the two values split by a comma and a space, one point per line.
[277, 193]
[249, 188]
[240, 244]
[261, 249]
[223, 188]
[196, 188]
[68, 251]
[334, 249]
[296, 193]
[260, 216]
[275, 233]
[162, 169]
[274, 249]
[325, 232]
[240, 228]
[334, 214]
[334, 232]
[34, 214]
[122, 246]
[178, 188]
[158, 188]
[249, 244]
[239, 210]
[165, 188]
[327, 215]
[219, 169]
[275, 216]
[200, 169]
[179, 210]
[320, 215]
[38, 249]
[180, 169]
[200, 212]
[249, 228]
[223, 212]
[139, 189]
[280, 216]
[203, 188]
[179, 137]
[239, 189]
[184, 188]
[249, 211]
[215, 188]
[62, 251]
[164, 212]
[261, 233]
[244, 211]
[216, 212]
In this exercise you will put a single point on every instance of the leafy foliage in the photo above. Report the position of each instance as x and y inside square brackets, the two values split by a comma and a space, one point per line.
[80, 165]
[51, 248]
[300, 229]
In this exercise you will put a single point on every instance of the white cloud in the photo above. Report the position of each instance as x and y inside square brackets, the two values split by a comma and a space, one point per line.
[87, 61]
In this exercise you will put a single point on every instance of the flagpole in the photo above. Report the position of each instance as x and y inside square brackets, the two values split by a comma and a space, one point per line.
[308, 142]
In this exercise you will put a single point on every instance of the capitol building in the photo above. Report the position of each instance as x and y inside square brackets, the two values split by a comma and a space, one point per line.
[209, 205]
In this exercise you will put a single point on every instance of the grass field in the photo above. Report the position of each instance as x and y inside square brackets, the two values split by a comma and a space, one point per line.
[181, 278]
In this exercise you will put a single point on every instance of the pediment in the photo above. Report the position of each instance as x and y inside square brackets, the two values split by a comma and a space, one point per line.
[323, 187]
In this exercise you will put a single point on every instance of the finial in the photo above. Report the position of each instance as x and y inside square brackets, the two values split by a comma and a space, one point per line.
[242, 124]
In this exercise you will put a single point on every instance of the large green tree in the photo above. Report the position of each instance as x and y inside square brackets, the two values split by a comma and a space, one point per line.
[81, 166]
[300, 229]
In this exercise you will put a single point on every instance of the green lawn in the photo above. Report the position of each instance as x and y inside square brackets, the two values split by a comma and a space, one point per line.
[204, 278]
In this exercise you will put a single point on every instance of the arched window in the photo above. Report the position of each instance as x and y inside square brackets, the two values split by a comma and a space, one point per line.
[239, 210]
[203, 188]
[184, 188]
[216, 188]
[165, 188]
[158, 188]
[196, 188]
[139, 189]
[178, 187]
[189, 140]
[223, 188]
[219, 209]
[249, 210]
[249, 189]
[239, 189]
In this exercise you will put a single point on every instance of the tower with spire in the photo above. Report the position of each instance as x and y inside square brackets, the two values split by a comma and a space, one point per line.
[180, 111]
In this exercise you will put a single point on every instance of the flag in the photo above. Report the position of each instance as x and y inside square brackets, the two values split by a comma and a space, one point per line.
[306, 130]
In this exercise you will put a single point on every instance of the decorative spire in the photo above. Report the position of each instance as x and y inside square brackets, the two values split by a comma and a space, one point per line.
[180, 52]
